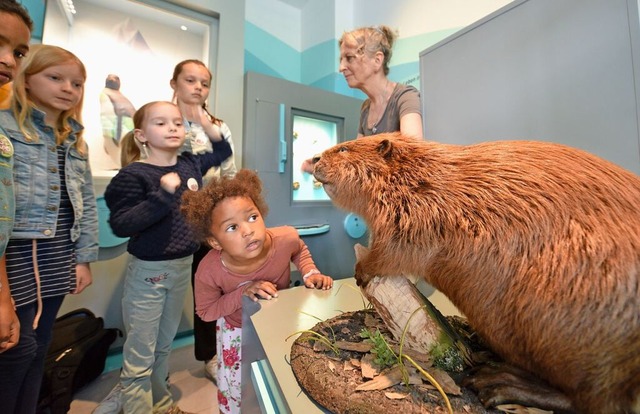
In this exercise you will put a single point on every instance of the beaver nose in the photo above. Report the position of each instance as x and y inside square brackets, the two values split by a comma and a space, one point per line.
[316, 158]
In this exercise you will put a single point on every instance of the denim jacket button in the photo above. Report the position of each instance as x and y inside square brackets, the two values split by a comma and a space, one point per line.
[47, 232]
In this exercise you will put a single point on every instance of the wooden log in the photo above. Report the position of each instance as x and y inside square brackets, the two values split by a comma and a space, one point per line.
[399, 302]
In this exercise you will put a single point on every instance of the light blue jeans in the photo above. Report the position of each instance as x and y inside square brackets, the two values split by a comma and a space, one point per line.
[152, 305]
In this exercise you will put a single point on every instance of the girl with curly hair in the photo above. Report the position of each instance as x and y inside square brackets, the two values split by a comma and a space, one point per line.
[246, 259]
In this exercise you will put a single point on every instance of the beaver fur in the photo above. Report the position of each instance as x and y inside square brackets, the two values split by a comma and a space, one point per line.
[537, 244]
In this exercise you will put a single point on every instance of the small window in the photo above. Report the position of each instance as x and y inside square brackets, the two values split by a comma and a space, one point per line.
[312, 134]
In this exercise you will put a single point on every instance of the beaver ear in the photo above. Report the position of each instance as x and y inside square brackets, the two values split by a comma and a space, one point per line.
[385, 148]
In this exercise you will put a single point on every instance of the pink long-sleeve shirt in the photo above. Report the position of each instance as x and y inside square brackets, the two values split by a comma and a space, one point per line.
[218, 291]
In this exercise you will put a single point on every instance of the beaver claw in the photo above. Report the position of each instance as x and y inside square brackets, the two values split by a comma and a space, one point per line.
[505, 384]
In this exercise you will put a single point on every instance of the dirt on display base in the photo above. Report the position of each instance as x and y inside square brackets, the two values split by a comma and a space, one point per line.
[332, 380]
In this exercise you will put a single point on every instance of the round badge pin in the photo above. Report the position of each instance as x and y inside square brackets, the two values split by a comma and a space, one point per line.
[192, 184]
[6, 148]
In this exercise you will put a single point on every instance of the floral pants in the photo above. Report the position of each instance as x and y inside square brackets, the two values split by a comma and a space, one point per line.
[228, 345]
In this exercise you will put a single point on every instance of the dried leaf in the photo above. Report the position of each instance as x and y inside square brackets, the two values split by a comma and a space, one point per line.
[355, 362]
[353, 346]
[348, 366]
[426, 386]
[332, 366]
[319, 346]
[415, 378]
[423, 358]
[395, 395]
[447, 383]
[368, 367]
[370, 321]
[385, 380]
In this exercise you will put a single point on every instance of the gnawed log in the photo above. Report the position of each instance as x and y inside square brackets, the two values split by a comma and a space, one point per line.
[399, 302]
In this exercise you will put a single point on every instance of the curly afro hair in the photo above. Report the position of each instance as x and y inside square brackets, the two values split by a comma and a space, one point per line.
[197, 206]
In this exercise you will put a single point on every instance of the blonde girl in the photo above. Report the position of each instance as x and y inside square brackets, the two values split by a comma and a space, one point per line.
[144, 202]
[55, 233]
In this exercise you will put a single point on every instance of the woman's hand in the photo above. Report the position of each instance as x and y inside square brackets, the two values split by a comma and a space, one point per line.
[260, 289]
[307, 166]
[83, 277]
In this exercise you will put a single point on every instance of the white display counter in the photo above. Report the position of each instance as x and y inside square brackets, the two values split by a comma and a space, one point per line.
[269, 385]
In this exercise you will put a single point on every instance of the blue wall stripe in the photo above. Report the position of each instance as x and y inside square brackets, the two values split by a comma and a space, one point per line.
[319, 61]
[317, 66]
[253, 64]
[281, 57]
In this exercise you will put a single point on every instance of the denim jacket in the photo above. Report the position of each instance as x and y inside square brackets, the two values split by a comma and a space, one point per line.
[37, 186]
[6, 191]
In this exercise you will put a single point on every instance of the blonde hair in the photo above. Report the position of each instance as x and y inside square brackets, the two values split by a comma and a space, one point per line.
[197, 206]
[371, 40]
[41, 57]
[129, 145]
[129, 149]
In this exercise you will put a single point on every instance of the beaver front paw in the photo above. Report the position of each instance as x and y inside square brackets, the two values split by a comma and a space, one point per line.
[362, 278]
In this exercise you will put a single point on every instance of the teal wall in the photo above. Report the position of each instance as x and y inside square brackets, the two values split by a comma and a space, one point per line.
[317, 66]
[36, 10]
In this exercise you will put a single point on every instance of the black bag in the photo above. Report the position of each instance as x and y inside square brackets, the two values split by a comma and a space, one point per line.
[76, 356]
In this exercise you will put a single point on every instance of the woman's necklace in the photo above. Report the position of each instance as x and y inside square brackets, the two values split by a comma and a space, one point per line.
[385, 101]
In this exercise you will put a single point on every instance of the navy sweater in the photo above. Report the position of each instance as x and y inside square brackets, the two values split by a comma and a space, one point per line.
[150, 216]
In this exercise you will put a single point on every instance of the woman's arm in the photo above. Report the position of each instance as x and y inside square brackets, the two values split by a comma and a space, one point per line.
[411, 125]
[410, 112]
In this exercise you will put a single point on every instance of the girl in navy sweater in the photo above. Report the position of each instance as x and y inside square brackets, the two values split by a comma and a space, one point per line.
[144, 203]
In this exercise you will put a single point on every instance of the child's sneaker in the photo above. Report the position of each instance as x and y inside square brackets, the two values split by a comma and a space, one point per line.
[211, 368]
[112, 403]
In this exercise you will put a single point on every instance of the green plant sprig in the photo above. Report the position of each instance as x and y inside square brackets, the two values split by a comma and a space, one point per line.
[385, 357]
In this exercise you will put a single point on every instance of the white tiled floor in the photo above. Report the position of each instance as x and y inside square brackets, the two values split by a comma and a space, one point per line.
[193, 392]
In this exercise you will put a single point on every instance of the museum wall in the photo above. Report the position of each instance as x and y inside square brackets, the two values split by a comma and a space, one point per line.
[104, 296]
[305, 40]
[270, 37]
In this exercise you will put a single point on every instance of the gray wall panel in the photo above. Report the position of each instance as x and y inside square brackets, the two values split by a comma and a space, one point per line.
[560, 71]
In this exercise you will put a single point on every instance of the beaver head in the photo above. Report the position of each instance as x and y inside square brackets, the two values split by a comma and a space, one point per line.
[358, 174]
